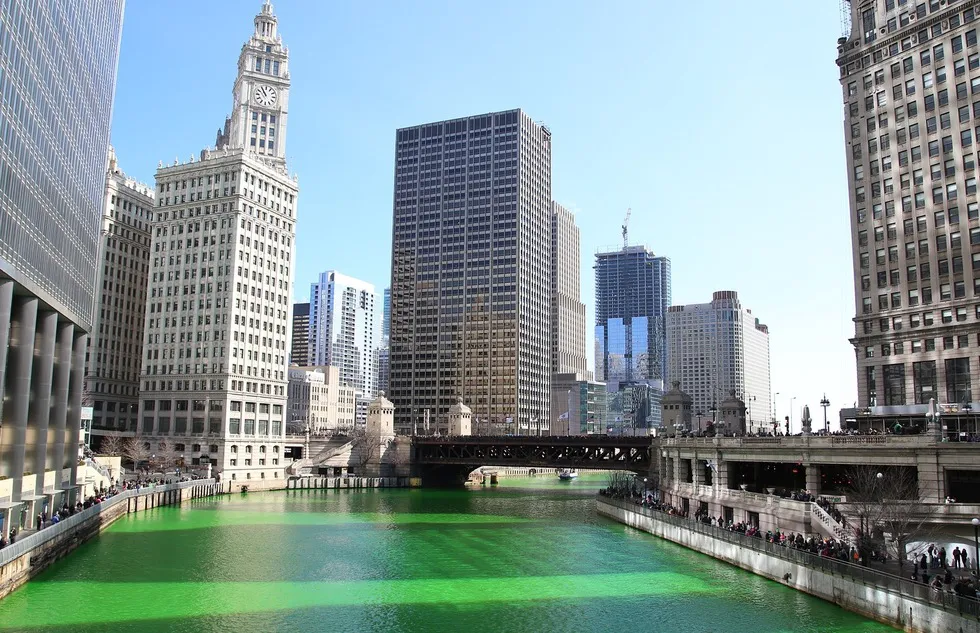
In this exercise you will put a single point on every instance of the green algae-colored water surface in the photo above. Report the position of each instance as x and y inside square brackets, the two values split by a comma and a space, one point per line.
[528, 556]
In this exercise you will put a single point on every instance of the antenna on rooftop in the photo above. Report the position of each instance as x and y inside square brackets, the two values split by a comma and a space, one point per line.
[626, 222]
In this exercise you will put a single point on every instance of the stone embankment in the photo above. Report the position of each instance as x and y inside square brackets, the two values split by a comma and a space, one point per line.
[896, 601]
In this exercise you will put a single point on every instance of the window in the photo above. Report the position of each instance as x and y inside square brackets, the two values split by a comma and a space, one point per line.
[924, 381]
[894, 378]
[958, 387]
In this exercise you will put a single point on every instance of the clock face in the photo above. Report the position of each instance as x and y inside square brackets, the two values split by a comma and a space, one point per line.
[265, 95]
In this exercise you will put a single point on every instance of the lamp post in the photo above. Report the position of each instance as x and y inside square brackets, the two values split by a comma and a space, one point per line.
[775, 412]
[790, 425]
[699, 414]
[976, 544]
[825, 403]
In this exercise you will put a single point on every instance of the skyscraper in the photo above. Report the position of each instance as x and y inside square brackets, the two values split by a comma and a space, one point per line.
[567, 311]
[115, 349]
[907, 73]
[718, 348]
[300, 343]
[218, 314]
[470, 291]
[54, 135]
[345, 330]
[384, 352]
[632, 290]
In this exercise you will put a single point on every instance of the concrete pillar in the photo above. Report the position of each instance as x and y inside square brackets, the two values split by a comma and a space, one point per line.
[40, 409]
[59, 400]
[6, 305]
[721, 475]
[17, 392]
[932, 480]
[813, 478]
[677, 470]
[76, 384]
[697, 474]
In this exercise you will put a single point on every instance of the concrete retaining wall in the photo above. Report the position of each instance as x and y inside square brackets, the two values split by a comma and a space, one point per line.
[32, 554]
[852, 594]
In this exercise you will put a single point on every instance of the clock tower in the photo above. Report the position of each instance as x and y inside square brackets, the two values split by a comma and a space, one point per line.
[260, 115]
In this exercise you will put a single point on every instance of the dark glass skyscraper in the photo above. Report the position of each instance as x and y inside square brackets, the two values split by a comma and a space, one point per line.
[632, 289]
[470, 282]
[57, 81]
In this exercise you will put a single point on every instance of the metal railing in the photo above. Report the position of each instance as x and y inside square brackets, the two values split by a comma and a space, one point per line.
[904, 587]
[29, 542]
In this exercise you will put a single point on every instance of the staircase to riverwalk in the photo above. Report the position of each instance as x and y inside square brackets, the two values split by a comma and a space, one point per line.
[822, 522]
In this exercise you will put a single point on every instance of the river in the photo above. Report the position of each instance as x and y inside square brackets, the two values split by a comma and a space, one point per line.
[530, 555]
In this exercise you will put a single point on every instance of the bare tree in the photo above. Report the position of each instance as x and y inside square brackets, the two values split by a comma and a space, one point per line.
[111, 445]
[365, 447]
[135, 451]
[167, 455]
[885, 511]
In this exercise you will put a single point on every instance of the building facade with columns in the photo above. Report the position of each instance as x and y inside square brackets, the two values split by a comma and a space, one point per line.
[115, 349]
[52, 174]
[218, 322]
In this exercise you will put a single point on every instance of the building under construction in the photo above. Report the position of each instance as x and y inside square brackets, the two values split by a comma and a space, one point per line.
[632, 294]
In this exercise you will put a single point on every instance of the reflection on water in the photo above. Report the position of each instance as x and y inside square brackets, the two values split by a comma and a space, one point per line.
[529, 555]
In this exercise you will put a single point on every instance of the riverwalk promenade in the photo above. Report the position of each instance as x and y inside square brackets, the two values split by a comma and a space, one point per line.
[891, 599]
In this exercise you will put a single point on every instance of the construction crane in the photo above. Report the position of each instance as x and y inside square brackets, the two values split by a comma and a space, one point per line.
[626, 222]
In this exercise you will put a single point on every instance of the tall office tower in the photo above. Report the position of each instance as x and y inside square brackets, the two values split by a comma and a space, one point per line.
[567, 311]
[54, 134]
[717, 348]
[345, 330]
[632, 293]
[218, 313]
[115, 349]
[470, 289]
[384, 352]
[299, 353]
[907, 72]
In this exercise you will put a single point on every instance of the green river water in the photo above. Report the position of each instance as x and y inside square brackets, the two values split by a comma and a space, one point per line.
[530, 555]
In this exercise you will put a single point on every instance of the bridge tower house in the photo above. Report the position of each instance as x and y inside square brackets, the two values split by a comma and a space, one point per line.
[460, 419]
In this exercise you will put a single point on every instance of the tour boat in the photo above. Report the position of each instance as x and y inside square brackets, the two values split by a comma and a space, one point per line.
[568, 474]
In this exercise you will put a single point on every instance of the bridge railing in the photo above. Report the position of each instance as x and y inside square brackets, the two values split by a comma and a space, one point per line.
[869, 577]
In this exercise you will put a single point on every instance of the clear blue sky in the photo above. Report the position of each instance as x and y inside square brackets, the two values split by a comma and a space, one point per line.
[719, 123]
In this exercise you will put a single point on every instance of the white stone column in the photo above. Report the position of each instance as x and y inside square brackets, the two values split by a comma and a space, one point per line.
[59, 400]
[13, 435]
[76, 384]
[40, 410]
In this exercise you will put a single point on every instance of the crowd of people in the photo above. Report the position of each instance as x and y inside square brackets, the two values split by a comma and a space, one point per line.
[43, 520]
[935, 558]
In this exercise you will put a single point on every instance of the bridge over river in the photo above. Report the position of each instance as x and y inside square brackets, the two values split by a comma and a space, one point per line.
[444, 460]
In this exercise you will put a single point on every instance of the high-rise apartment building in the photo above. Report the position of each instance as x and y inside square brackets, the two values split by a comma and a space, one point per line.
[910, 74]
[115, 349]
[384, 352]
[632, 293]
[567, 311]
[716, 349]
[58, 78]
[300, 343]
[216, 349]
[345, 330]
[470, 291]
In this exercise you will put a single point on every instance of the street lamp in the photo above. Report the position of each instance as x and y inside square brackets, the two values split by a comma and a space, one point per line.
[825, 403]
[976, 544]
[790, 425]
